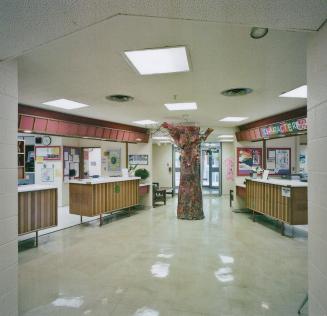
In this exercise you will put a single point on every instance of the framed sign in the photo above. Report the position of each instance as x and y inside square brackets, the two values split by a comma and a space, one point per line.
[138, 159]
[114, 161]
[279, 161]
[248, 158]
[48, 152]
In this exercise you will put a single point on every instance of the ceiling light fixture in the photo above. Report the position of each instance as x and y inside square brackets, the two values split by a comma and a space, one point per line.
[258, 32]
[236, 92]
[27, 131]
[225, 136]
[233, 119]
[145, 122]
[186, 106]
[159, 60]
[161, 138]
[66, 104]
[226, 140]
[300, 92]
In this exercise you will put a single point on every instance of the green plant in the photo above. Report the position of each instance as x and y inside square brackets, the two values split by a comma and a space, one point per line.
[132, 167]
[142, 173]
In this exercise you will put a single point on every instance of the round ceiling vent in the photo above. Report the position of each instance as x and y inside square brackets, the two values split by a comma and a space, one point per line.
[236, 92]
[258, 32]
[119, 98]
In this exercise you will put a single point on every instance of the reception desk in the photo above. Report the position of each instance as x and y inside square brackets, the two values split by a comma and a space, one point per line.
[92, 197]
[284, 200]
[37, 208]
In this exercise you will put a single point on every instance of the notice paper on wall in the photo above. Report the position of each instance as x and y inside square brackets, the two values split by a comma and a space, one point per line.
[286, 192]
[265, 174]
[76, 158]
[47, 174]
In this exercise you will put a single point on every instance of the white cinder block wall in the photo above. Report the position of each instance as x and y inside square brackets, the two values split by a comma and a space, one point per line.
[317, 165]
[162, 160]
[8, 188]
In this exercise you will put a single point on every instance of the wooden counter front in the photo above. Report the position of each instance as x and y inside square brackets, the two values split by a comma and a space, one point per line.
[37, 210]
[267, 198]
[96, 199]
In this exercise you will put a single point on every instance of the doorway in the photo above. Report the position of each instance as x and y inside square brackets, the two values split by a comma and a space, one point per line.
[210, 168]
[91, 162]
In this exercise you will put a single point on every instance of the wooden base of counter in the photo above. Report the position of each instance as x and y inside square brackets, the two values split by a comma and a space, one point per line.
[268, 199]
[97, 199]
[37, 210]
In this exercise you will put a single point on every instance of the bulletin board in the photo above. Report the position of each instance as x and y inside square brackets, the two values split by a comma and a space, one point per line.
[279, 161]
[71, 161]
[48, 152]
[248, 158]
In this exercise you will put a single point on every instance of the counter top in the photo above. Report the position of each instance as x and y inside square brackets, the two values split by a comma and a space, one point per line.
[35, 187]
[282, 182]
[240, 182]
[144, 184]
[103, 180]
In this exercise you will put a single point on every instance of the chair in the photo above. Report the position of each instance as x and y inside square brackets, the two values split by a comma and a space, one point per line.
[158, 195]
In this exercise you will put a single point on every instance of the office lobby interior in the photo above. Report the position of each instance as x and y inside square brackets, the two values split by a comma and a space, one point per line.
[163, 158]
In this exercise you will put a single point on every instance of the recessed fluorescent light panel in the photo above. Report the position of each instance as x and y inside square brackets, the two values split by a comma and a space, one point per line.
[161, 137]
[66, 104]
[300, 92]
[233, 119]
[159, 60]
[145, 122]
[181, 106]
[226, 140]
[225, 136]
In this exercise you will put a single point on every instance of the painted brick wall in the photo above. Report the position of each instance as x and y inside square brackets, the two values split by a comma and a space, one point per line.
[317, 164]
[8, 188]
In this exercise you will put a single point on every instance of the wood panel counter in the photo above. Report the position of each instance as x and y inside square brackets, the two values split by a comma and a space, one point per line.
[92, 197]
[284, 200]
[37, 208]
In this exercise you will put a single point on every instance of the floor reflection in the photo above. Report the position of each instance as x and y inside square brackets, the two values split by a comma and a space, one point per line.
[160, 269]
[146, 311]
[224, 275]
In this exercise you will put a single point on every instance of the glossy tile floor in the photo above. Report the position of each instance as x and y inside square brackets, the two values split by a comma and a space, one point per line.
[151, 264]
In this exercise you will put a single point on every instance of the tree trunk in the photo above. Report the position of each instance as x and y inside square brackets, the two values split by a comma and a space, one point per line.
[188, 139]
[190, 193]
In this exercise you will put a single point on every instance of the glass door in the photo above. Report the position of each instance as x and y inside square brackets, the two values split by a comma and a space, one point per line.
[177, 167]
[210, 165]
[205, 163]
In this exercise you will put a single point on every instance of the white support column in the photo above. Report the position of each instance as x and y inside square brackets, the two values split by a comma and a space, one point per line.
[8, 188]
[317, 166]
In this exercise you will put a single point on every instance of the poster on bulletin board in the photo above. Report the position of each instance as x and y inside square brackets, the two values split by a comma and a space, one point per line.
[47, 153]
[247, 158]
[279, 161]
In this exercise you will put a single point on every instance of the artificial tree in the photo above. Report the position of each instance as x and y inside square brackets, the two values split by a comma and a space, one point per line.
[188, 139]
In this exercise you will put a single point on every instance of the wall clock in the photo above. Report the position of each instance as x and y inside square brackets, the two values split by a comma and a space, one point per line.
[46, 140]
